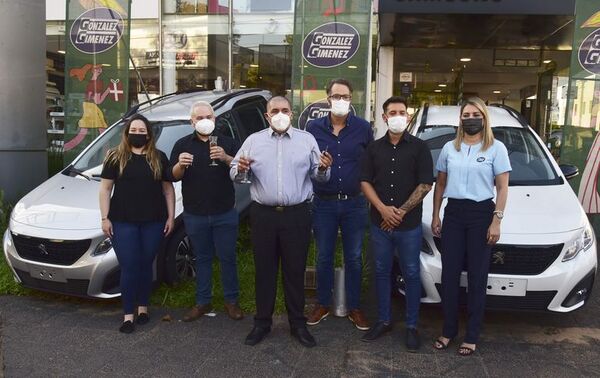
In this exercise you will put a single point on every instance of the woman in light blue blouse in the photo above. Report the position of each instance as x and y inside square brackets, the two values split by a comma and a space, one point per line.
[468, 169]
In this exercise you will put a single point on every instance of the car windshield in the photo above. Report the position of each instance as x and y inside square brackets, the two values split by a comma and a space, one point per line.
[90, 163]
[530, 165]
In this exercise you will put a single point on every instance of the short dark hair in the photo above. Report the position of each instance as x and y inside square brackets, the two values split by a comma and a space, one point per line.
[338, 81]
[394, 100]
[279, 98]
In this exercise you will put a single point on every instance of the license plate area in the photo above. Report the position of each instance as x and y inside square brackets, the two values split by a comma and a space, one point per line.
[47, 273]
[501, 286]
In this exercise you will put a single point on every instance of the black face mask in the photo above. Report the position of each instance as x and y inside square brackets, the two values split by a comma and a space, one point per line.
[472, 126]
[137, 140]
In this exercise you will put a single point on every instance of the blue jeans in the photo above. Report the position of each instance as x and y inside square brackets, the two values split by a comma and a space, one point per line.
[408, 245]
[136, 245]
[351, 217]
[208, 233]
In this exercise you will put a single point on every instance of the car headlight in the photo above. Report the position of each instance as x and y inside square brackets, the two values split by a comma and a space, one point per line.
[582, 243]
[102, 247]
[426, 248]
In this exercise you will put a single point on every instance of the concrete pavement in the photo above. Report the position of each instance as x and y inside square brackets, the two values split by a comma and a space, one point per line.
[45, 338]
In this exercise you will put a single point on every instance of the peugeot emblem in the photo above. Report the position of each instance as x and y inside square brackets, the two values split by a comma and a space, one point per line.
[42, 249]
[498, 258]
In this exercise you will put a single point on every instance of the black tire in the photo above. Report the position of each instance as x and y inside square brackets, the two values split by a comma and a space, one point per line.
[179, 260]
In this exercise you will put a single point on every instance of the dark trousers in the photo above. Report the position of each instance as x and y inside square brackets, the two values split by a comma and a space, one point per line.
[136, 245]
[280, 234]
[464, 239]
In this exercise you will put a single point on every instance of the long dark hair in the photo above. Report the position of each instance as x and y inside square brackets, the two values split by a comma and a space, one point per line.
[121, 154]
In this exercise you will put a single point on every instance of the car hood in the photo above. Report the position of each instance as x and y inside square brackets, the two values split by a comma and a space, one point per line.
[535, 210]
[61, 203]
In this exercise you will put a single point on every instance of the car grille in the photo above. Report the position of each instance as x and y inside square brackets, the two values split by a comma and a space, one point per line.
[519, 259]
[65, 252]
[71, 287]
[532, 301]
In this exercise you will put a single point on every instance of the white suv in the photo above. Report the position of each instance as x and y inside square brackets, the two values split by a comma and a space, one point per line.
[546, 256]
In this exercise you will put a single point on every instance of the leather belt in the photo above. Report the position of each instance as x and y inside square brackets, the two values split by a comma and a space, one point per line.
[335, 197]
[282, 209]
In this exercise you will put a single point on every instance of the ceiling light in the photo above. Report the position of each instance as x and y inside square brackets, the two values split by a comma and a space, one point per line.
[353, 67]
[242, 86]
[254, 65]
[547, 61]
[497, 92]
[199, 86]
[442, 85]
[437, 90]
[61, 51]
[465, 59]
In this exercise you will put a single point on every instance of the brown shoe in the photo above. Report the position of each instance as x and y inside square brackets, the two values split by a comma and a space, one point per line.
[359, 320]
[318, 313]
[234, 311]
[197, 311]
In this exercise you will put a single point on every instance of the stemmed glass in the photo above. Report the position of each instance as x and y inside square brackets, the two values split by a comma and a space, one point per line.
[212, 140]
[245, 154]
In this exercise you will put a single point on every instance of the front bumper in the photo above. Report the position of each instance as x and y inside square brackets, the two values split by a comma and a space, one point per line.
[551, 290]
[89, 276]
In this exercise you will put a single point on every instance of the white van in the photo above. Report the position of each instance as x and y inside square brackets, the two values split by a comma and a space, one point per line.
[54, 241]
[546, 256]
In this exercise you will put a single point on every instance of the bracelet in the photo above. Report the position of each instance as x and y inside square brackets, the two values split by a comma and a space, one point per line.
[105, 218]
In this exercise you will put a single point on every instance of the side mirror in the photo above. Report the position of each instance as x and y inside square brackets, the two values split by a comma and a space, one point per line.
[569, 170]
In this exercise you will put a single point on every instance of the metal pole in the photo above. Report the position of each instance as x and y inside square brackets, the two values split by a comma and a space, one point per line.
[368, 68]
[230, 45]
[160, 49]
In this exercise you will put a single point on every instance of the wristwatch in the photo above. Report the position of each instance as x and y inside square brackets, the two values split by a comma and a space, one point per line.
[499, 214]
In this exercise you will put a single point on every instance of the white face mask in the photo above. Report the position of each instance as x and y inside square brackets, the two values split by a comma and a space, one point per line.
[397, 124]
[280, 122]
[340, 107]
[205, 126]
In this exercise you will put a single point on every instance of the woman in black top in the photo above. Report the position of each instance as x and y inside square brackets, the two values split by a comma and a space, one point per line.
[139, 214]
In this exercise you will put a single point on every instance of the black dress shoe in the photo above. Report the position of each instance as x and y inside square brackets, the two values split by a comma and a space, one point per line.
[413, 341]
[256, 335]
[142, 318]
[376, 331]
[304, 337]
[127, 327]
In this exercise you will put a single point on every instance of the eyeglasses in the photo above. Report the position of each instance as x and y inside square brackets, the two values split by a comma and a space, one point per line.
[338, 97]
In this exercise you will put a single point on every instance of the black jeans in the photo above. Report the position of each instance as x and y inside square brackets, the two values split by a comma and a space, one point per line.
[464, 239]
[280, 234]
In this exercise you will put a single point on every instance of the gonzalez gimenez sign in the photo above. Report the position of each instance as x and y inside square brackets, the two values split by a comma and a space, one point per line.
[330, 44]
[96, 30]
[589, 53]
[316, 110]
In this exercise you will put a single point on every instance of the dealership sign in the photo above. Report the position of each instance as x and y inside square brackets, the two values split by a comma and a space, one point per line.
[317, 109]
[330, 44]
[96, 30]
[589, 53]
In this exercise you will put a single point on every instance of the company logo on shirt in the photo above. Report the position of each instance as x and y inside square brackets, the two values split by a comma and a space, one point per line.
[589, 53]
[480, 159]
[96, 30]
[316, 110]
[331, 44]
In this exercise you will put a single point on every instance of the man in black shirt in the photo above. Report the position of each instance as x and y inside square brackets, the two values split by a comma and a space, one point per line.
[210, 218]
[397, 173]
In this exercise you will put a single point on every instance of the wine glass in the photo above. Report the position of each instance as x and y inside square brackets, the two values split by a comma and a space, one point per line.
[212, 140]
[246, 155]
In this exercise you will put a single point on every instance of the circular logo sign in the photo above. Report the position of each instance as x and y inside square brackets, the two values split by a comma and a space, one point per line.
[589, 53]
[96, 30]
[330, 45]
[316, 110]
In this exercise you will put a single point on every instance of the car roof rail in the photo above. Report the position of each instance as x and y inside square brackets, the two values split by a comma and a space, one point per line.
[424, 116]
[518, 116]
[135, 108]
[216, 104]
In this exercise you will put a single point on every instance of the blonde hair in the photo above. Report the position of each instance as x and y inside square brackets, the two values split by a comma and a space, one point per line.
[199, 104]
[121, 154]
[488, 134]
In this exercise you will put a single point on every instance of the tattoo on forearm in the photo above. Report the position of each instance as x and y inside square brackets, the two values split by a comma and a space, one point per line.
[416, 197]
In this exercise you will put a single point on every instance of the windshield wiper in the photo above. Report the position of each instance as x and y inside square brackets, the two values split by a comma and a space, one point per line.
[77, 172]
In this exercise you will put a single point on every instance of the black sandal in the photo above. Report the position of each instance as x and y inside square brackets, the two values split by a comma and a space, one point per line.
[465, 351]
[440, 345]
